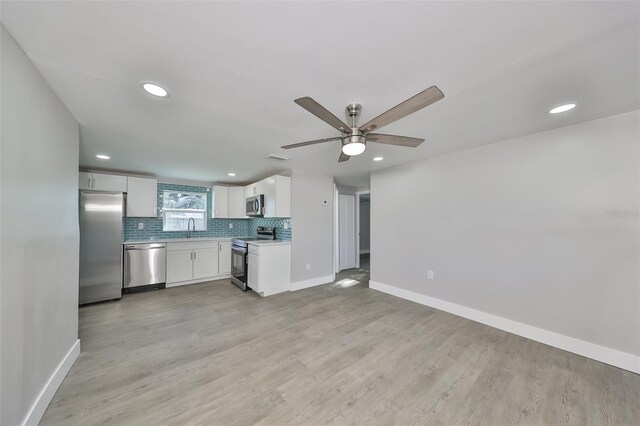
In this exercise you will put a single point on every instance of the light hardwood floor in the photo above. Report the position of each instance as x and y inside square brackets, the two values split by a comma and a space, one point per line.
[334, 354]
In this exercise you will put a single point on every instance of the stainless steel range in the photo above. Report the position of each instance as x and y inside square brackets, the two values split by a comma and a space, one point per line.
[239, 247]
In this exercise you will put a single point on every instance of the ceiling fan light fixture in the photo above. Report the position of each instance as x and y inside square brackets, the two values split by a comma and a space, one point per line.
[354, 144]
[353, 148]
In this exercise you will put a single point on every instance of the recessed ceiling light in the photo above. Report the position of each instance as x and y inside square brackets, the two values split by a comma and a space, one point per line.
[378, 158]
[155, 90]
[231, 174]
[562, 108]
[103, 157]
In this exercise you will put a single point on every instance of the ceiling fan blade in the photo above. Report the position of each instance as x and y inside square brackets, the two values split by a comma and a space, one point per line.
[394, 140]
[411, 105]
[296, 145]
[343, 157]
[322, 113]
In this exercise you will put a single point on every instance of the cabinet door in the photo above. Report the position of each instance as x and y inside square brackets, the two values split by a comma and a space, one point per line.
[283, 196]
[179, 266]
[84, 180]
[268, 187]
[260, 186]
[250, 191]
[205, 263]
[142, 197]
[253, 278]
[224, 257]
[114, 183]
[236, 202]
[220, 202]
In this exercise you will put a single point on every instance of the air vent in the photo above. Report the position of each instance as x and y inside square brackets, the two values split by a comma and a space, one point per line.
[277, 157]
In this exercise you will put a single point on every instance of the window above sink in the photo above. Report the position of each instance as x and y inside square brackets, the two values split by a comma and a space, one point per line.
[179, 206]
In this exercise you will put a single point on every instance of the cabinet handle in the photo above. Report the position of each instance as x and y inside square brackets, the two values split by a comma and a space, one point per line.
[93, 183]
[89, 183]
[195, 255]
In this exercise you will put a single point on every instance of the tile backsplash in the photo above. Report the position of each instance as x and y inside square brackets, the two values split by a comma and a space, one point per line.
[215, 227]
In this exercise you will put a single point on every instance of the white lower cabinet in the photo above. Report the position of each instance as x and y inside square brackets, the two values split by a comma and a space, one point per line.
[253, 277]
[224, 257]
[179, 266]
[269, 269]
[192, 262]
[205, 263]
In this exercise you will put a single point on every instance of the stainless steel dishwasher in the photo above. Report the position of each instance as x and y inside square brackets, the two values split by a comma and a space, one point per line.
[144, 267]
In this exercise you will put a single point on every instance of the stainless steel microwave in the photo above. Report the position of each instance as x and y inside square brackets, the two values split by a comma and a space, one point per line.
[255, 206]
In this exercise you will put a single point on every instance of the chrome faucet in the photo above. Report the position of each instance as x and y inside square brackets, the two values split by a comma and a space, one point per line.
[189, 226]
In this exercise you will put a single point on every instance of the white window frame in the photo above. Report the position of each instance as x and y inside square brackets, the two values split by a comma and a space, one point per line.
[166, 210]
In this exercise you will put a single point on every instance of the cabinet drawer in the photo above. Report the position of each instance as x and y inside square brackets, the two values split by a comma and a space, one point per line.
[196, 245]
[254, 249]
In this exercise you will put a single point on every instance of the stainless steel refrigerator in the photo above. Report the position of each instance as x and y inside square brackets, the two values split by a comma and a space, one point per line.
[100, 246]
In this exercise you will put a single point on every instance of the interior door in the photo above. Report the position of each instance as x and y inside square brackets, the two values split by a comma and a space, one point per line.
[347, 231]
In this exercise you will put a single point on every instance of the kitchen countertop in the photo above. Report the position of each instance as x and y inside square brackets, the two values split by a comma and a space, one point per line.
[176, 240]
[269, 242]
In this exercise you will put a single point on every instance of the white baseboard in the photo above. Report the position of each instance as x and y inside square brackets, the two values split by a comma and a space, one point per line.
[364, 251]
[299, 285]
[610, 356]
[46, 394]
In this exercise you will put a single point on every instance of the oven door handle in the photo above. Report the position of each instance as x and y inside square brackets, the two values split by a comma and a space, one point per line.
[239, 249]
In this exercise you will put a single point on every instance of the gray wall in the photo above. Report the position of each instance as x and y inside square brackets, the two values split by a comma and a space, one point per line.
[312, 221]
[364, 225]
[39, 232]
[522, 229]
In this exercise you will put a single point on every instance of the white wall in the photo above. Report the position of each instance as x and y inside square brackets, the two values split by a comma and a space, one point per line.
[312, 224]
[520, 229]
[364, 226]
[39, 235]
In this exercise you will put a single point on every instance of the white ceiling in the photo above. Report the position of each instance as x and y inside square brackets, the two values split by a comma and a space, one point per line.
[234, 69]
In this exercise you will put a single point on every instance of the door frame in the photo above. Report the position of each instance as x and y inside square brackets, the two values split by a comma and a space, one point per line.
[358, 194]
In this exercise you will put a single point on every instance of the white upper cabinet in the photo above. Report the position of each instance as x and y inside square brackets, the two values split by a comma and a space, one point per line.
[85, 180]
[255, 188]
[102, 182]
[142, 197]
[236, 202]
[277, 196]
[228, 202]
[220, 202]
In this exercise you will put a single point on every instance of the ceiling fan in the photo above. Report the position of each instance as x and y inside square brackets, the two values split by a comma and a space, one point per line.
[354, 139]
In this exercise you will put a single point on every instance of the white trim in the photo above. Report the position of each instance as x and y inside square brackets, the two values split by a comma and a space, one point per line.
[41, 403]
[364, 252]
[604, 354]
[299, 285]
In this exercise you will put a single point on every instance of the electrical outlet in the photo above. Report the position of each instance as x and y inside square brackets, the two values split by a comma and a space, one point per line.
[308, 266]
[231, 226]
[285, 224]
[140, 225]
[429, 275]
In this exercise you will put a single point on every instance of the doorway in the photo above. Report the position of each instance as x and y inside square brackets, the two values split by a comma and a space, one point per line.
[363, 225]
[347, 258]
[364, 229]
